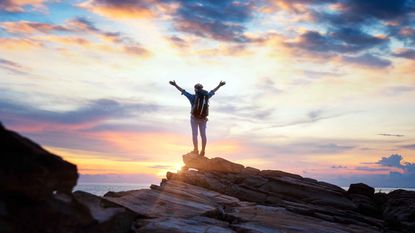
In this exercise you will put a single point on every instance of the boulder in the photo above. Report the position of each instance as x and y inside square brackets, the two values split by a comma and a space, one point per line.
[361, 189]
[28, 169]
[35, 189]
[216, 164]
[399, 210]
[109, 219]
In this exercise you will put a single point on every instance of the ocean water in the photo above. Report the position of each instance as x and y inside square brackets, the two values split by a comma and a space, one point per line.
[101, 188]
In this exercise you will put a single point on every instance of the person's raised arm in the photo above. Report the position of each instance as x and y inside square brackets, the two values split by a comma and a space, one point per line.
[173, 83]
[220, 84]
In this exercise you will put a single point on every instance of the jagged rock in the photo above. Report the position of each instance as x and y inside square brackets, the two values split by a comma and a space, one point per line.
[35, 189]
[93, 203]
[110, 219]
[172, 199]
[28, 169]
[219, 196]
[216, 164]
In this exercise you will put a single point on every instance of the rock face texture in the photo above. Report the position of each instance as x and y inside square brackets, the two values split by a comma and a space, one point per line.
[207, 195]
[35, 189]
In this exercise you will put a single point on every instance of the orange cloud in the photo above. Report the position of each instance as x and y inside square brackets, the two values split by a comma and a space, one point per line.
[19, 43]
[114, 9]
[18, 5]
[30, 27]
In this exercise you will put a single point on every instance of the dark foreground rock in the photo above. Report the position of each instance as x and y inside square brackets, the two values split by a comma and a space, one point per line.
[207, 195]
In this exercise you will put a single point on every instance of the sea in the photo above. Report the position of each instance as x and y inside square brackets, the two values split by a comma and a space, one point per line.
[100, 189]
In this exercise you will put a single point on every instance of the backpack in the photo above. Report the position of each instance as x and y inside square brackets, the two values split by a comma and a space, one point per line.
[200, 107]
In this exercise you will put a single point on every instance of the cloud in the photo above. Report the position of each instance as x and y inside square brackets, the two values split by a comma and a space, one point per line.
[396, 161]
[338, 167]
[28, 27]
[89, 115]
[219, 20]
[406, 53]
[12, 66]
[410, 146]
[391, 135]
[19, 6]
[162, 167]
[78, 26]
[397, 90]
[391, 161]
[20, 43]
[343, 40]
[311, 117]
[368, 60]
[396, 174]
[121, 9]
[371, 169]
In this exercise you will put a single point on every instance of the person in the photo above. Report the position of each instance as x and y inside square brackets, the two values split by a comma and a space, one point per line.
[198, 118]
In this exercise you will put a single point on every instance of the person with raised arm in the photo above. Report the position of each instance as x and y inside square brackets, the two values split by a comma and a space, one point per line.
[199, 102]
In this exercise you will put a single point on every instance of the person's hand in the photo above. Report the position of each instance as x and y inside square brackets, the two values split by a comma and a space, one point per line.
[222, 83]
[173, 83]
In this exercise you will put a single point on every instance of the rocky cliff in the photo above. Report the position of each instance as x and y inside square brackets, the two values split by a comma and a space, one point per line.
[207, 195]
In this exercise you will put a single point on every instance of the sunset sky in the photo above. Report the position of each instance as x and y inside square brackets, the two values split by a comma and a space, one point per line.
[321, 88]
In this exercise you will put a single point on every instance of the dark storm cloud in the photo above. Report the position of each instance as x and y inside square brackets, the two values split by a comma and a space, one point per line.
[368, 60]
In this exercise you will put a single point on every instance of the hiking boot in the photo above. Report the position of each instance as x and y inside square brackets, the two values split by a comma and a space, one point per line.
[202, 153]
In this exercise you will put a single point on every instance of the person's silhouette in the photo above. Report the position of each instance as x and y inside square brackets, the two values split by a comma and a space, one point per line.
[199, 113]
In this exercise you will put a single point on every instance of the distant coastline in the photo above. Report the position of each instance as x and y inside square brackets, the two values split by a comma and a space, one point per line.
[101, 188]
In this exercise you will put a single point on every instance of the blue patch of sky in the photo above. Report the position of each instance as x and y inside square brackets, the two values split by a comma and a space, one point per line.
[59, 12]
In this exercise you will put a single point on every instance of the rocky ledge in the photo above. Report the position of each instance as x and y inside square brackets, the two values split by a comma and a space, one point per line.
[207, 195]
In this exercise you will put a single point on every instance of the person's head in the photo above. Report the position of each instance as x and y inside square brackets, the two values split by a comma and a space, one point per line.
[198, 87]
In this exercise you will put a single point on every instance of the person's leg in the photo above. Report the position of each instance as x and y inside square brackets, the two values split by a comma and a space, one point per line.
[202, 128]
[193, 123]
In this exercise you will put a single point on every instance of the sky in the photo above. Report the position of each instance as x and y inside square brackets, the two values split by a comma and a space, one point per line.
[320, 88]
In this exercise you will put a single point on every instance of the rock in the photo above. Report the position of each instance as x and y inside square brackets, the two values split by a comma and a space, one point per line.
[362, 196]
[28, 169]
[269, 219]
[399, 210]
[111, 219]
[219, 196]
[361, 189]
[196, 224]
[35, 189]
[216, 164]
[172, 199]
[93, 203]
[250, 171]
